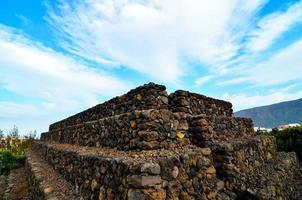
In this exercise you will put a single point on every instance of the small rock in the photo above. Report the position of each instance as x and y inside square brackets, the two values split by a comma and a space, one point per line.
[211, 170]
[94, 184]
[211, 195]
[175, 172]
[180, 134]
[144, 181]
[220, 185]
[203, 122]
[139, 97]
[269, 156]
[164, 100]
[148, 145]
[133, 123]
[144, 194]
[229, 166]
[48, 190]
[206, 151]
[150, 168]
[148, 135]
[168, 169]
[183, 102]
[183, 125]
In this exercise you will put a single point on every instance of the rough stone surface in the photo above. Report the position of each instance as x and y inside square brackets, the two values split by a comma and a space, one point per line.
[149, 96]
[195, 104]
[274, 180]
[207, 130]
[45, 183]
[93, 169]
[149, 145]
[147, 129]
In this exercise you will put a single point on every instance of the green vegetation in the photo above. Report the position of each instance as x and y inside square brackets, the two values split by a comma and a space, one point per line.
[12, 148]
[288, 139]
[8, 160]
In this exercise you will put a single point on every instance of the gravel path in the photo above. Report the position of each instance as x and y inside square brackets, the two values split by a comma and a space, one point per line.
[15, 184]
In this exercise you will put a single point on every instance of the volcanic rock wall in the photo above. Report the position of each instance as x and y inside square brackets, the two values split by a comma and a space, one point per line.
[147, 144]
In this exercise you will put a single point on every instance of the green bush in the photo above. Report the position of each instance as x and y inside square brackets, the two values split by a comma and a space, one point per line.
[12, 149]
[288, 139]
[8, 160]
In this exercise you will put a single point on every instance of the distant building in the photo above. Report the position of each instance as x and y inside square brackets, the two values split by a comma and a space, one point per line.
[287, 126]
[256, 128]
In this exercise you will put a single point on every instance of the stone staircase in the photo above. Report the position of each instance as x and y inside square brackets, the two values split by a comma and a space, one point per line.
[147, 144]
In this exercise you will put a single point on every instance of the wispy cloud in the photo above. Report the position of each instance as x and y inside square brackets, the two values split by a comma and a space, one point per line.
[271, 27]
[230, 43]
[153, 37]
[282, 67]
[58, 82]
[9, 110]
[244, 101]
[203, 80]
[248, 65]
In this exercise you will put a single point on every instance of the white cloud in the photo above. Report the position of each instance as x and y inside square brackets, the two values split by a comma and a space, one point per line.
[271, 27]
[244, 101]
[25, 116]
[154, 36]
[10, 109]
[281, 67]
[232, 81]
[57, 82]
[36, 71]
[158, 38]
[203, 80]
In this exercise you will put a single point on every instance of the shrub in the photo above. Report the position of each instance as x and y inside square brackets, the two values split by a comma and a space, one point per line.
[8, 160]
[288, 139]
[12, 149]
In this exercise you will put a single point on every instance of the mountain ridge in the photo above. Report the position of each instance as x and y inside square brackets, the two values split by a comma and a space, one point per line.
[273, 115]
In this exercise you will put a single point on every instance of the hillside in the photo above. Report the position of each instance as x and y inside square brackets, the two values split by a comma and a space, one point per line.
[275, 114]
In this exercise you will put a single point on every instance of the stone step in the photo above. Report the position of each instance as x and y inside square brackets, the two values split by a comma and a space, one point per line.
[152, 129]
[196, 104]
[207, 130]
[274, 180]
[148, 96]
[45, 183]
[240, 157]
[104, 173]
[140, 130]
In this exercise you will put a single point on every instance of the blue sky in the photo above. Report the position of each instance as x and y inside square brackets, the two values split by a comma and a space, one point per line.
[60, 57]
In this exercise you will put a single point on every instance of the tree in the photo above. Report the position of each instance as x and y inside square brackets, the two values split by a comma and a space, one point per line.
[1, 134]
[1, 139]
[14, 132]
[32, 134]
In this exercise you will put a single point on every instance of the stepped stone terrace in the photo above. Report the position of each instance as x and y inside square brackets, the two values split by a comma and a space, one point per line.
[149, 145]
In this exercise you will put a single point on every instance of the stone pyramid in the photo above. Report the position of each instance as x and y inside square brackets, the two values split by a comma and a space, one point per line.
[149, 145]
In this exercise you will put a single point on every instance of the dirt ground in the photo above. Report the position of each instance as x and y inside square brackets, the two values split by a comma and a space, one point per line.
[14, 186]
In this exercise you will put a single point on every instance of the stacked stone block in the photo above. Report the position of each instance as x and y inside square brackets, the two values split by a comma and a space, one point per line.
[141, 98]
[156, 174]
[147, 144]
